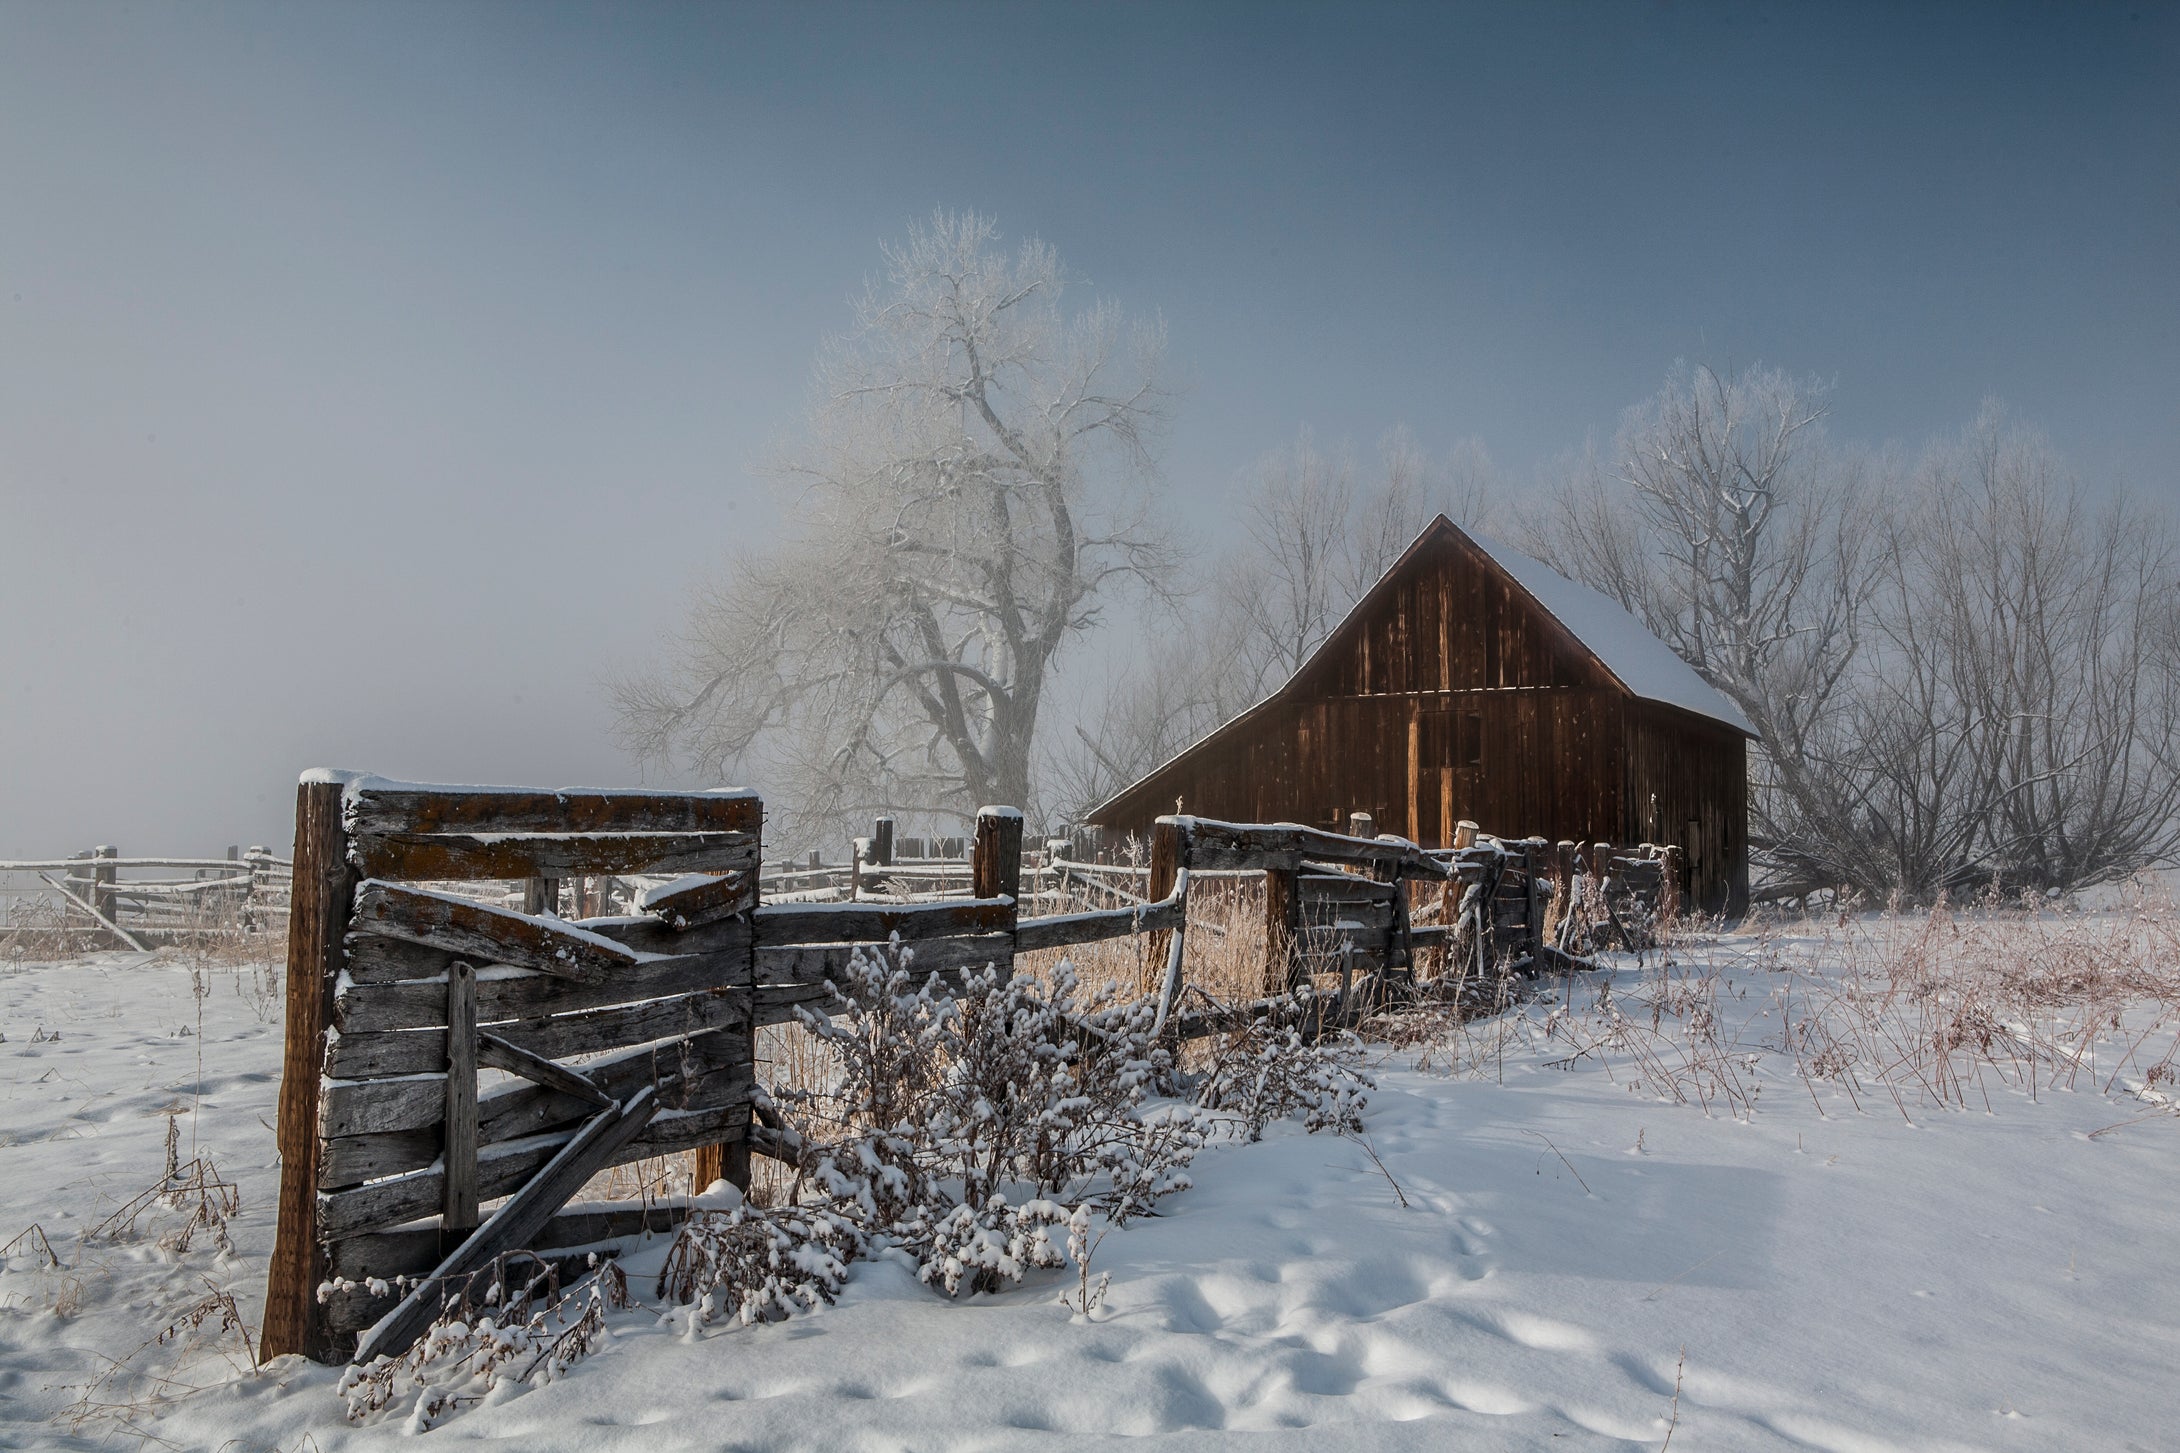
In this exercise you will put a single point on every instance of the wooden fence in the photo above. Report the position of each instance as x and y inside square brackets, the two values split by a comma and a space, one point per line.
[101, 899]
[627, 1035]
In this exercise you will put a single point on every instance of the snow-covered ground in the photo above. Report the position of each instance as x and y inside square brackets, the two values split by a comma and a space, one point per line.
[1809, 1276]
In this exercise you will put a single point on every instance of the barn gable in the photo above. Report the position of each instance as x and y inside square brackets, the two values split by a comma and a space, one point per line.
[1472, 682]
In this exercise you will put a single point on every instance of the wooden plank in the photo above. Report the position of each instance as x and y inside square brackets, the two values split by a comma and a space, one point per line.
[1343, 888]
[1286, 846]
[1369, 915]
[415, 1251]
[376, 960]
[501, 995]
[1032, 934]
[519, 1116]
[501, 1169]
[543, 855]
[458, 1200]
[812, 964]
[353, 1160]
[700, 898]
[371, 1056]
[371, 1107]
[323, 891]
[512, 1226]
[495, 935]
[380, 1107]
[788, 924]
[416, 808]
[500, 1054]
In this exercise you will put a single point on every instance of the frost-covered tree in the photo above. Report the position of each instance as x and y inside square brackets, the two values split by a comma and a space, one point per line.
[1957, 668]
[1723, 522]
[2016, 714]
[972, 489]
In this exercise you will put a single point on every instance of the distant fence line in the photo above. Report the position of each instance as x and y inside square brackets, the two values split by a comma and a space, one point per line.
[101, 899]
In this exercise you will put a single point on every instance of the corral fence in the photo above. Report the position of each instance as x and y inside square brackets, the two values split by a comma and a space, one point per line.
[102, 898]
[446, 1049]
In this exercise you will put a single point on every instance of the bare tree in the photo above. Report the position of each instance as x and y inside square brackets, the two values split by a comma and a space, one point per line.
[2039, 621]
[1959, 672]
[1724, 523]
[971, 495]
[1286, 584]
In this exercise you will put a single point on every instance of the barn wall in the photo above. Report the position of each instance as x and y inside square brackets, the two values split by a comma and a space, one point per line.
[1688, 783]
[1449, 621]
[1415, 763]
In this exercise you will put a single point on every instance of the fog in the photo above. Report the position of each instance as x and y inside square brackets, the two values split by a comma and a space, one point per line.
[375, 382]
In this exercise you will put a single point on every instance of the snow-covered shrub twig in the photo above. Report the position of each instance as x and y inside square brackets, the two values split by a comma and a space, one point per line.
[506, 1322]
[1264, 1067]
[757, 1265]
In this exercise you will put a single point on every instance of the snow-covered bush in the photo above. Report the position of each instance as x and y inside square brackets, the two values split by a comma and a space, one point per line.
[976, 1122]
[963, 1124]
[508, 1322]
[1264, 1068]
[757, 1265]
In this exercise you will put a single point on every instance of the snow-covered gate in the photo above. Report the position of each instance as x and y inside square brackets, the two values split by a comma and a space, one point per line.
[400, 995]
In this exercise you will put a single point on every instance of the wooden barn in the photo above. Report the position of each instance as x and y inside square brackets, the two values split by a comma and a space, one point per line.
[1472, 682]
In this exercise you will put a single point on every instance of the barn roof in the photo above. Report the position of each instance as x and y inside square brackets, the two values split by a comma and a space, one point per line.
[1638, 660]
[1641, 662]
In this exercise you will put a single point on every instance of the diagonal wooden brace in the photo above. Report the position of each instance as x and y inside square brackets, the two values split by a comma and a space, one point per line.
[515, 1224]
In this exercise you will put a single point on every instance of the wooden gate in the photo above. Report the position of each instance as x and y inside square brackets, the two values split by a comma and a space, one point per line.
[399, 995]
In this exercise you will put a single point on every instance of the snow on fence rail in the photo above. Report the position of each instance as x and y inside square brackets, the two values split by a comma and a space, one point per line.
[85, 901]
[626, 1035]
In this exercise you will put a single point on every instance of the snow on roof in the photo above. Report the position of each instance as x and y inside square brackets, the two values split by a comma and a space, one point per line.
[1645, 665]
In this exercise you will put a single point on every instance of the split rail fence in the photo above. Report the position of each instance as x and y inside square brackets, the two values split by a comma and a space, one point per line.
[445, 1049]
[101, 899]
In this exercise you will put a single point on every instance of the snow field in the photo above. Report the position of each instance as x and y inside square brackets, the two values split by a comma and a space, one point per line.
[1839, 1280]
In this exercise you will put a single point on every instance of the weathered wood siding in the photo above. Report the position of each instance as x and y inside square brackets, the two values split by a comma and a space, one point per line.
[1688, 783]
[1448, 694]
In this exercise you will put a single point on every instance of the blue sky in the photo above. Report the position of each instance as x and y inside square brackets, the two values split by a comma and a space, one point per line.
[373, 379]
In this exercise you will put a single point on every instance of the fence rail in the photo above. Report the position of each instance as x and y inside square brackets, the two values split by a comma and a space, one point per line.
[84, 901]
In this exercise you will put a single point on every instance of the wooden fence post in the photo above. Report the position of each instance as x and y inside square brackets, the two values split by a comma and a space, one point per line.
[458, 1201]
[881, 842]
[995, 865]
[1165, 869]
[322, 899]
[1538, 854]
[1669, 892]
[1361, 824]
[102, 881]
[730, 1162]
[1282, 929]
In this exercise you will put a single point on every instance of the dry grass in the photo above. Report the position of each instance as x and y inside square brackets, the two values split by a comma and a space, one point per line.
[1946, 1007]
[1943, 1009]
